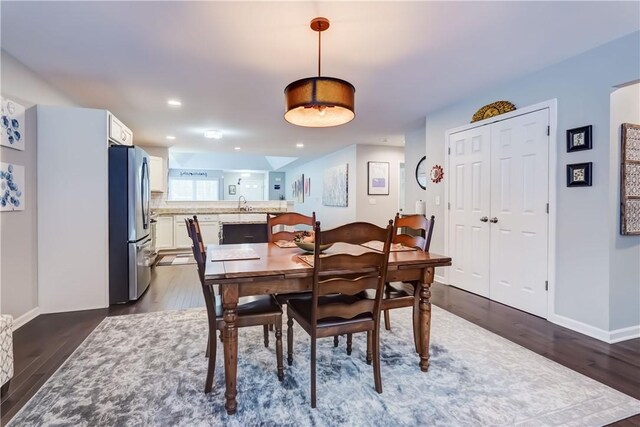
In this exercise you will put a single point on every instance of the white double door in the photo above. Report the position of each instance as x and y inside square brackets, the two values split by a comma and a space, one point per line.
[498, 220]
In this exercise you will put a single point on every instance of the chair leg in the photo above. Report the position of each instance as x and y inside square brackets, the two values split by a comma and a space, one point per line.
[369, 348]
[377, 377]
[221, 336]
[349, 343]
[387, 320]
[5, 388]
[335, 341]
[211, 366]
[279, 347]
[271, 327]
[416, 321]
[206, 353]
[290, 341]
[313, 372]
[266, 335]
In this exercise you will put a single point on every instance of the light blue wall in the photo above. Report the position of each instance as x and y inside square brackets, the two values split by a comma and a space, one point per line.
[582, 86]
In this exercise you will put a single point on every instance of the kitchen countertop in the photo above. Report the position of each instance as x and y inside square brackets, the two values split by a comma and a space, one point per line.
[196, 211]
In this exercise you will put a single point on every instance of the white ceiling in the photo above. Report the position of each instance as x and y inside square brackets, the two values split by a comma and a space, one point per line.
[228, 62]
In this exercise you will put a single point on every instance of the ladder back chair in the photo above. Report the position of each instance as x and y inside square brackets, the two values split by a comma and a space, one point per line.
[252, 311]
[288, 219]
[405, 294]
[333, 307]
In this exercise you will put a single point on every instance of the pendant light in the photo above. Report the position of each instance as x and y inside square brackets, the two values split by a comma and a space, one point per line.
[319, 101]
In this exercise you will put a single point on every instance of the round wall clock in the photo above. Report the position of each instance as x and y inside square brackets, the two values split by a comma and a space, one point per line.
[421, 173]
[437, 173]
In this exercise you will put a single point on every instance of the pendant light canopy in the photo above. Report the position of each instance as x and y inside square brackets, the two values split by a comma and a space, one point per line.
[319, 101]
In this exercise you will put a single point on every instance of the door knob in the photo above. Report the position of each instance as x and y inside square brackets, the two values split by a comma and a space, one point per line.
[493, 220]
[484, 219]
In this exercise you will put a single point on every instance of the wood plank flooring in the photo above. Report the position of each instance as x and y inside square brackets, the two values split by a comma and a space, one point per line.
[42, 345]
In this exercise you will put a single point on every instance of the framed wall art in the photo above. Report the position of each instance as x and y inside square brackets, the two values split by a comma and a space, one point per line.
[630, 180]
[232, 190]
[335, 186]
[378, 178]
[13, 124]
[579, 139]
[579, 174]
[11, 187]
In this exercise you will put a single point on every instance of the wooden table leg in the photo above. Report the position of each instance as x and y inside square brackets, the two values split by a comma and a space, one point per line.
[425, 317]
[229, 295]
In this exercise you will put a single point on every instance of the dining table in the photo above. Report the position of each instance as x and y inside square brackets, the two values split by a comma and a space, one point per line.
[266, 268]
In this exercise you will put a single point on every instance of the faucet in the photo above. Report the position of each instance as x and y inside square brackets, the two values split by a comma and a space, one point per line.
[244, 207]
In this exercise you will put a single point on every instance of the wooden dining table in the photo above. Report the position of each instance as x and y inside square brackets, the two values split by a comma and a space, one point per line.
[280, 270]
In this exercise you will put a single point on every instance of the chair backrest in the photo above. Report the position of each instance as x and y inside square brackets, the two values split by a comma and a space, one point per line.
[288, 219]
[201, 247]
[350, 274]
[420, 224]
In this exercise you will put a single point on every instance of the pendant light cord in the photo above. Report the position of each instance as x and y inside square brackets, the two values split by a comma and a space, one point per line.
[319, 47]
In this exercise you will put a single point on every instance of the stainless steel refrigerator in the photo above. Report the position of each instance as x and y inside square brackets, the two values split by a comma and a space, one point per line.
[129, 223]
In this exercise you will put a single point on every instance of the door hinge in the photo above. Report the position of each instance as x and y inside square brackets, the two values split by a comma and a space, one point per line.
[449, 206]
[449, 150]
[547, 207]
[546, 285]
[548, 130]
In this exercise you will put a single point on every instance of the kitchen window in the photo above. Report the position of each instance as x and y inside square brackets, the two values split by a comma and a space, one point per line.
[192, 186]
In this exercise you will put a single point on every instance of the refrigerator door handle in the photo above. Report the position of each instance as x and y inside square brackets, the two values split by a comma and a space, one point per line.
[144, 193]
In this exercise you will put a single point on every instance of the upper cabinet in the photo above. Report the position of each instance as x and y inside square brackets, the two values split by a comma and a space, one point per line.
[118, 132]
[157, 174]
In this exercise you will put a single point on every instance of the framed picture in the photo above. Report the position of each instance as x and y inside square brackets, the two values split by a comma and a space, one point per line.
[579, 175]
[12, 190]
[232, 190]
[335, 186]
[378, 178]
[630, 180]
[579, 139]
[13, 124]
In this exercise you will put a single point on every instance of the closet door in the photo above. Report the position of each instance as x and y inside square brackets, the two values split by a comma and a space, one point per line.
[469, 192]
[519, 219]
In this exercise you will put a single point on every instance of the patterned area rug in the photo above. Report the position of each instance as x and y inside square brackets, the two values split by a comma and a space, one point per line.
[179, 259]
[149, 370]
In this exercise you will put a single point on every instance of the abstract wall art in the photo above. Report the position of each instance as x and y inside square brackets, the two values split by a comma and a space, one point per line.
[335, 186]
[13, 126]
[630, 180]
[11, 187]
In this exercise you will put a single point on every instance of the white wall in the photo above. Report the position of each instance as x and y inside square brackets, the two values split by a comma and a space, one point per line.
[414, 150]
[582, 86]
[385, 207]
[624, 250]
[329, 216]
[19, 277]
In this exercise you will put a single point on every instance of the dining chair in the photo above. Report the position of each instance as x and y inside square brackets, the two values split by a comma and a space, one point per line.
[333, 307]
[252, 311]
[288, 219]
[405, 294]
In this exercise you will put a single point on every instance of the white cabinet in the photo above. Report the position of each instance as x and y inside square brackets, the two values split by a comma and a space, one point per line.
[164, 232]
[118, 132]
[210, 232]
[181, 238]
[157, 174]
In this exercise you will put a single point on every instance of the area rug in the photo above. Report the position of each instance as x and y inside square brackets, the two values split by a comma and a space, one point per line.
[149, 370]
[178, 259]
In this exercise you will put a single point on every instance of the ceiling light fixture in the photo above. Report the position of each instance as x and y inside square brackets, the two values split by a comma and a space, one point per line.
[213, 134]
[237, 148]
[319, 101]
[171, 137]
[174, 103]
[299, 145]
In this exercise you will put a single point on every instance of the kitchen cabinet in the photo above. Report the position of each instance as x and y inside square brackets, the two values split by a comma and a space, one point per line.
[156, 174]
[210, 232]
[164, 232]
[118, 132]
[181, 238]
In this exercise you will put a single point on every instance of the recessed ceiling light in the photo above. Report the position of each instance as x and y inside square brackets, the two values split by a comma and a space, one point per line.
[213, 134]
[171, 137]
[174, 103]
[245, 175]
[236, 148]
[299, 145]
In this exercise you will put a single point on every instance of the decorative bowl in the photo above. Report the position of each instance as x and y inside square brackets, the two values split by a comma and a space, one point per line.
[310, 246]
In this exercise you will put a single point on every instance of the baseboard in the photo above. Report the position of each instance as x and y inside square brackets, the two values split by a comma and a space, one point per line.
[610, 337]
[26, 318]
[624, 334]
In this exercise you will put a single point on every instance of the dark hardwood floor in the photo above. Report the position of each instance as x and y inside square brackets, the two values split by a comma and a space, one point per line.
[42, 345]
